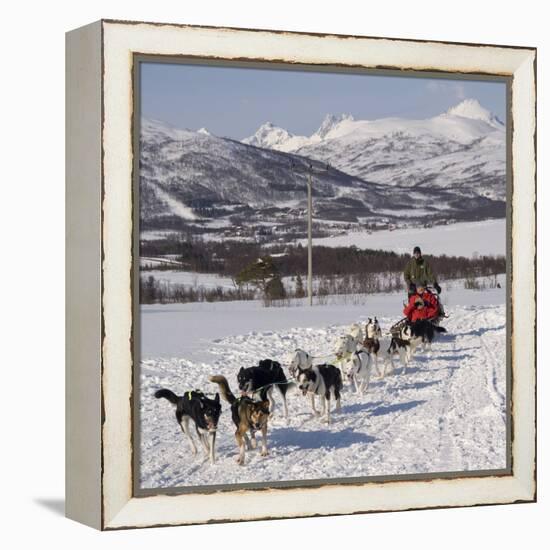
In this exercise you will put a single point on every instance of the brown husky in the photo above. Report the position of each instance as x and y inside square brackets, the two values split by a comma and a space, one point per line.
[248, 415]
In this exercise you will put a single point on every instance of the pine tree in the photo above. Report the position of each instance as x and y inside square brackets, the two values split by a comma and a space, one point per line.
[148, 290]
[257, 273]
[275, 290]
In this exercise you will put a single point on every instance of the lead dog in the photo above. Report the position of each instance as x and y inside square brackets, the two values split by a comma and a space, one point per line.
[324, 381]
[248, 416]
[204, 412]
[262, 378]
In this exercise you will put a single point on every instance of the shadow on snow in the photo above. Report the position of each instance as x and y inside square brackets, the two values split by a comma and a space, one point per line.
[398, 407]
[315, 439]
[414, 386]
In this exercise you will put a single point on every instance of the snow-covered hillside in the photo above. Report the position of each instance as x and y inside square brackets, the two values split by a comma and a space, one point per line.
[446, 413]
[449, 166]
[464, 147]
[195, 176]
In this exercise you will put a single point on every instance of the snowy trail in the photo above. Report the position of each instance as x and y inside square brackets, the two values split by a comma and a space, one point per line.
[446, 413]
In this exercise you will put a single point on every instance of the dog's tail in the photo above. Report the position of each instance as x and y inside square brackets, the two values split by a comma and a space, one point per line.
[224, 387]
[439, 329]
[167, 394]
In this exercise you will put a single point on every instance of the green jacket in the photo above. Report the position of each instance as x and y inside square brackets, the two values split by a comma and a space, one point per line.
[419, 270]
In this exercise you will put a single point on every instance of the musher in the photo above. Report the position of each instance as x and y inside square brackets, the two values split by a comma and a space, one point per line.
[419, 269]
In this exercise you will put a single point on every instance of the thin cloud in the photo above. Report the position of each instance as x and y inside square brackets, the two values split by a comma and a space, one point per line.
[455, 89]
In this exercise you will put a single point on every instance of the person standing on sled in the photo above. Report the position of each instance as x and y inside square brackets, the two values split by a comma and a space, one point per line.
[423, 305]
[419, 269]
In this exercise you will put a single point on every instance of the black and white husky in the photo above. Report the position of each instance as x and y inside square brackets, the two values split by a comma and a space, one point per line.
[358, 370]
[378, 347]
[324, 381]
[384, 348]
[262, 379]
[403, 348]
[204, 412]
[421, 333]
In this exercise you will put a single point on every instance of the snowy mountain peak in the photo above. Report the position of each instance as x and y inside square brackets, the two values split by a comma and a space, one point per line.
[268, 135]
[471, 108]
[203, 131]
[330, 122]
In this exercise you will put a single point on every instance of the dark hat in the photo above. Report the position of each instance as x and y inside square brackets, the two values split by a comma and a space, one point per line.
[416, 249]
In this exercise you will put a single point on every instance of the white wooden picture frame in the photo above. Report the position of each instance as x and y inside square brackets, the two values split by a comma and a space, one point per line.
[100, 288]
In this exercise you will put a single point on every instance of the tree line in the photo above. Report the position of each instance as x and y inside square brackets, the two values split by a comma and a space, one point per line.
[227, 258]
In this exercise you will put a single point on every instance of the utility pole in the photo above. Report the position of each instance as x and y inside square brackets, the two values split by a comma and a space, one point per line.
[309, 241]
[309, 171]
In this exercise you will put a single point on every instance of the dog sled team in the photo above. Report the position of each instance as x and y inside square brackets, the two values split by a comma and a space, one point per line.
[359, 354]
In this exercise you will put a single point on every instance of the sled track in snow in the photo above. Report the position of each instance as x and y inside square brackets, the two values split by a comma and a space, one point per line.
[446, 413]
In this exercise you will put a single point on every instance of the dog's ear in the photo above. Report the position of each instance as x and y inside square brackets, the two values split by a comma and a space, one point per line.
[241, 370]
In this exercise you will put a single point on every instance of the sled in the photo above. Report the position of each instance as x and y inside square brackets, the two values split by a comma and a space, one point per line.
[395, 329]
[441, 310]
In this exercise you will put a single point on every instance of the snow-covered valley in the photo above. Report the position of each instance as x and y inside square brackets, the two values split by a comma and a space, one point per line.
[469, 239]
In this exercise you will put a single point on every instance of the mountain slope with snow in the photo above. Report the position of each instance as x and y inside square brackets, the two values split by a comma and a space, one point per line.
[462, 149]
[193, 175]
[449, 166]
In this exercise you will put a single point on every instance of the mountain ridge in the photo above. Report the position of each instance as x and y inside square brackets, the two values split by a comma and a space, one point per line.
[452, 166]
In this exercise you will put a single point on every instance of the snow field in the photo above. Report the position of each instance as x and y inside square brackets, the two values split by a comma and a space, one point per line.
[467, 239]
[446, 413]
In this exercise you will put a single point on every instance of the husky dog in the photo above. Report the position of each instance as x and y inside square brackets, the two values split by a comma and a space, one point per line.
[301, 360]
[377, 346]
[356, 332]
[324, 381]
[345, 347]
[204, 412]
[358, 367]
[262, 379]
[248, 416]
[403, 348]
[421, 333]
[372, 328]
[405, 335]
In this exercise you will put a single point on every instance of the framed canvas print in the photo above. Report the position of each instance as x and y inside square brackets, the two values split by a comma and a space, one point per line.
[300, 274]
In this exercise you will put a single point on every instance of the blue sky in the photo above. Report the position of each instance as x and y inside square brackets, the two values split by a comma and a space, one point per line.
[234, 102]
